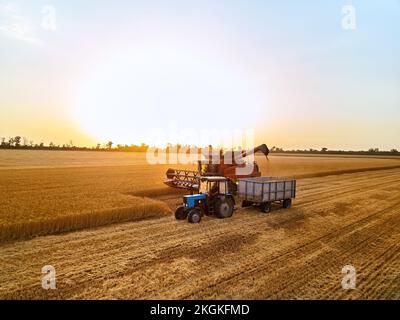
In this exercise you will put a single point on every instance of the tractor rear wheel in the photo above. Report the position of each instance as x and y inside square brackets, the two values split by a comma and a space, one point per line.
[194, 216]
[287, 203]
[224, 208]
[266, 207]
[180, 213]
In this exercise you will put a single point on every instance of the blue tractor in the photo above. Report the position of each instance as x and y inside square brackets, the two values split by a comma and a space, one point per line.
[213, 198]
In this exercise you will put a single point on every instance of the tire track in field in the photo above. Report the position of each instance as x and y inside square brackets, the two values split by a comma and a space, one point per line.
[384, 254]
[337, 184]
[377, 269]
[260, 268]
[151, 243]
[327, 261]
[161, 221]
[193, 237]
[276, 261]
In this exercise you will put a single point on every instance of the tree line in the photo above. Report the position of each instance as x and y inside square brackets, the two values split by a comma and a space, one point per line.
[19, 142]
[324, 150]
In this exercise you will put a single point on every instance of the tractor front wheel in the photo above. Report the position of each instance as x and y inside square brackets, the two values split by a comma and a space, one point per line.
[194, 216]
[224, 208]
[180, 213]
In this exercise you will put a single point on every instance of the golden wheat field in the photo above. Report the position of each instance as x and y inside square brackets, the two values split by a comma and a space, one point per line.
[105, 222]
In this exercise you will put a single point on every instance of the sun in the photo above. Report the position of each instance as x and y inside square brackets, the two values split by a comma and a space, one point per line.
[161, 94]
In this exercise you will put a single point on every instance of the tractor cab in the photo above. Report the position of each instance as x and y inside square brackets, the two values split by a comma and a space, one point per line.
[213, 198]
[213, 185]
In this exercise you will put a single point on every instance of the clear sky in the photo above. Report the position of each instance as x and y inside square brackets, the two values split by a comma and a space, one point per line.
[127, 71]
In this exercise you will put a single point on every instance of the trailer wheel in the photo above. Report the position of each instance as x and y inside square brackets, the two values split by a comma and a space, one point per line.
[246, 203]
[266, 207]
[224, 208]
[194, 216]
[287, 203]
[180, 213]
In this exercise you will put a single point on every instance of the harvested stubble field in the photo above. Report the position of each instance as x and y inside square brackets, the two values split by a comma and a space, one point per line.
[351, 217]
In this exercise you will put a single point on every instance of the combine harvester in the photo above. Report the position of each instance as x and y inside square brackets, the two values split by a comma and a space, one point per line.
[218, 186]
[229, 162]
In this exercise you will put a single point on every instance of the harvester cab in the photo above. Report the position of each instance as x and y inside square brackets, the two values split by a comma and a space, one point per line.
[213, 198]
